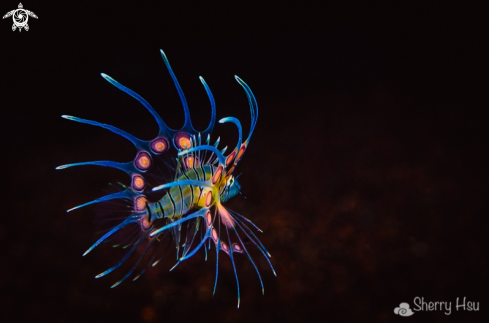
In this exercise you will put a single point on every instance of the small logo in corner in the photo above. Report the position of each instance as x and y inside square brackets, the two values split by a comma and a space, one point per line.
[20, 17]
[403, 310]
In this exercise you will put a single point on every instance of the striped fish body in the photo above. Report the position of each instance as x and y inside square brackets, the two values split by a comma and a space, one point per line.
[179, 200]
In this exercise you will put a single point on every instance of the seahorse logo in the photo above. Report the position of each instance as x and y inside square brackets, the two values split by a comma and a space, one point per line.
[20, 17]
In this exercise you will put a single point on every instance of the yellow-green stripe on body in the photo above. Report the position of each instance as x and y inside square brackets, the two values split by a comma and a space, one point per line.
[180, 199]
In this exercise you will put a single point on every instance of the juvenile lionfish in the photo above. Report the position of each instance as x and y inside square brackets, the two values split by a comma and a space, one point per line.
[203, 179]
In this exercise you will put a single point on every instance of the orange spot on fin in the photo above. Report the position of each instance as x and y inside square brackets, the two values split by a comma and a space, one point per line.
[225, 247]
[140, 203]
[241, 152]
[159, 145]
[182, 140]
[208, 198]
[230, 158]
[138, 183]
[143, 161]
[214, 235]
[216, 176]
[208, 218]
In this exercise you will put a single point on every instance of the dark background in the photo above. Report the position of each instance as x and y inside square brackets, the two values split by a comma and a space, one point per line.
[367, 170]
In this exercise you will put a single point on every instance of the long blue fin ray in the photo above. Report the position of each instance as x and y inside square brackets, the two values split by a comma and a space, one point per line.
[251, 260]
[230, 253]
[218, 247]
[111, 269]
[108, 234]
[254, 236]
[119, 195]
[126, 167]
[174, 266]
[135, 265]
[253, 105]
[197, 248]
[193, 232]
[240, 133]
[244, 218]
[183, 182]
[213, 106]
[259, 248]
[188, 123]
[137, 142]
[205, 248]
[200, 213]
[164, 129]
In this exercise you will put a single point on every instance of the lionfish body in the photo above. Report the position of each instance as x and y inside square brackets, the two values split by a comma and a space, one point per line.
[203, 180]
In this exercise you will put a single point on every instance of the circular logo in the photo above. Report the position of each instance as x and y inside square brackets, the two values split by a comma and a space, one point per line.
[20, 17]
